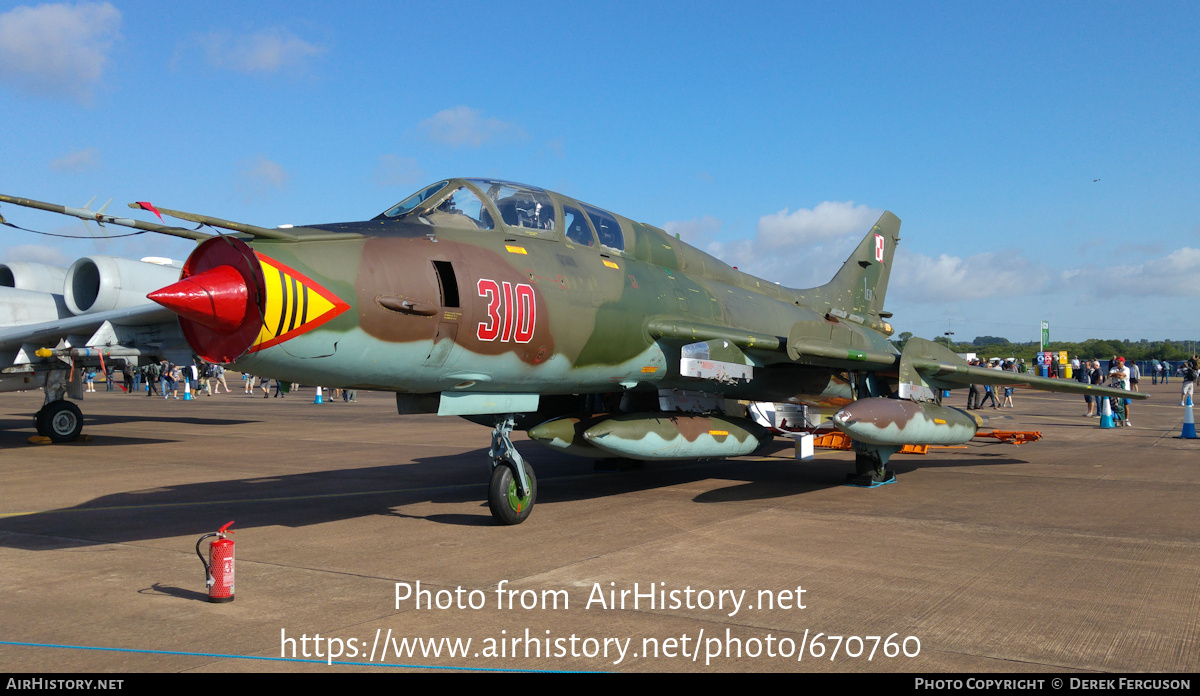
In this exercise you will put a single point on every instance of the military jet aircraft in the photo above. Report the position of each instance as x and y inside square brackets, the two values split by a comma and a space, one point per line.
[601, 336]
[56, 322]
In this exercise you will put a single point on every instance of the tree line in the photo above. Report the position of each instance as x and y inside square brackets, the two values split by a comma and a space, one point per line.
[997, 347]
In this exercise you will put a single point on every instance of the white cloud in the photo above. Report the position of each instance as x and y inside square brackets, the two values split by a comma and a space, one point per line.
[464, 126]
[58, 50]
[267, 51]
[698, 231]
[1175, 275]
[805, 248]
[1008, 274]
[801, 248]
[828, 220]
[259, 176]
[394, 170]
[77, 161]
[37, 253]
[920, 278]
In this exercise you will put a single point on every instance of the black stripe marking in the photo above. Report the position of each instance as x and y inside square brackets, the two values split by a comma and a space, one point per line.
[282, 304]
[295, 302]
[304, 307]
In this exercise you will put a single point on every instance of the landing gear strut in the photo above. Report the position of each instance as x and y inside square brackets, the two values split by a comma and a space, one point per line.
[870, 465]
[513, 489]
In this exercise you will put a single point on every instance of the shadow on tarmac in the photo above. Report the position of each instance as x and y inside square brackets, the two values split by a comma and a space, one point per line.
[177, 592]
[15, 432]
[299, 500]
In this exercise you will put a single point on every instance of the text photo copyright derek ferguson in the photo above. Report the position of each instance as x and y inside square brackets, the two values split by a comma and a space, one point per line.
[525, 642]
[1053, 683]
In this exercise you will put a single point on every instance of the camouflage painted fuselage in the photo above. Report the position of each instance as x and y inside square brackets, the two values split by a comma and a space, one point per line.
[443, 309]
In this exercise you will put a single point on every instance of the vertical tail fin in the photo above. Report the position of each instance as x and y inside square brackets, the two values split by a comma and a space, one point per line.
[859, 287]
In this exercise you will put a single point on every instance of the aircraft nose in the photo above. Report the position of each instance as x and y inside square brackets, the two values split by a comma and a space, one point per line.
[215, 298]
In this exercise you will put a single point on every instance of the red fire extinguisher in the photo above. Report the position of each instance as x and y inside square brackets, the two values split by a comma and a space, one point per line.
[218, 569]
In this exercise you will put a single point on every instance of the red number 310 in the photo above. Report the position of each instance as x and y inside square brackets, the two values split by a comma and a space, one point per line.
[519, 315]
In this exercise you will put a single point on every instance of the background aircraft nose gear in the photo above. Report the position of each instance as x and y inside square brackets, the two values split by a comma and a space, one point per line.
[513, 488]
[61, 421]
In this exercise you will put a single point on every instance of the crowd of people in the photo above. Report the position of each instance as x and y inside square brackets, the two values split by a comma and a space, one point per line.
[282, 389]
[164, 378]
[976, 399]
[1121, 374]
[1126, 375]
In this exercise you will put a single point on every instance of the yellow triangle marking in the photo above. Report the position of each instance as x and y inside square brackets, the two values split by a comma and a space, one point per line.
[291, 305]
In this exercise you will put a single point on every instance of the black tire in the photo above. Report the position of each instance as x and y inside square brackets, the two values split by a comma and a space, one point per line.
[61, 421]
[506, 505]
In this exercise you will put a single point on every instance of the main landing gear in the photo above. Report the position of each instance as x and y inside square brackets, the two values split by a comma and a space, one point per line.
[870, 465]
[513, 489]
[60, 420]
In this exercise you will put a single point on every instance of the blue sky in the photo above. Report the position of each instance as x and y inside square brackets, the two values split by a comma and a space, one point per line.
[772, 135]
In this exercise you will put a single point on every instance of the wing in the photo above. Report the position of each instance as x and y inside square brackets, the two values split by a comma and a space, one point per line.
[33, 350]
[812, 345]
[85, 325]
[926, 364]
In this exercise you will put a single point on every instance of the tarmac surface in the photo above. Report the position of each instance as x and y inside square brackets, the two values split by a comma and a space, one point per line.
[1077, 553]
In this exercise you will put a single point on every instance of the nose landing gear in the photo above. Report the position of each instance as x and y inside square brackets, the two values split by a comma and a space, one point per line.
[513, 488]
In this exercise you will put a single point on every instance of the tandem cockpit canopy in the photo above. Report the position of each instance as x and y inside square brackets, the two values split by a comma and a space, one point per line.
[485, 204]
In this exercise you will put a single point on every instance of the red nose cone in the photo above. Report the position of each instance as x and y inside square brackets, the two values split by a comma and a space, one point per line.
[215, 298]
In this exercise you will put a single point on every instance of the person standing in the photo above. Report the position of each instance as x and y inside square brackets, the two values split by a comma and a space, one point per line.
[1085, 377]
[1008, 391]
[1119, 374]
[973, 400]
[1095, 377]
[206, 378]
[150, 372]
[1082, 377]
[988, 394]
[219, 376]
[1189, 382]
